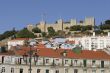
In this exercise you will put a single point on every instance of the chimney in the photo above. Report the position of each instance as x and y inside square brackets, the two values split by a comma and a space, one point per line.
[108, 34]
[93, 33]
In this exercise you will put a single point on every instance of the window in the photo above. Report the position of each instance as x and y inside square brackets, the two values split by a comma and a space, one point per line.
[21, 70]
[3, 69]
[102, 71]
[75, 62]
[47, 71]
[12, 70]
[47, 60]
[85, 63]
[85, 71]
[2, 59]
[57, 71]
[102, 64]
[66, 70]
[66, 61]
[38, 70]
[93, 71]
[93, 62]
[75, 70]
[19, 60]
[57, 59]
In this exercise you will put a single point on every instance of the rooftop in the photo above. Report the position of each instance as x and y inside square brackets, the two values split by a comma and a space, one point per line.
[42, 51]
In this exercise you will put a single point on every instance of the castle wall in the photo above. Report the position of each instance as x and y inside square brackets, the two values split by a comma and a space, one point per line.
[60, 25]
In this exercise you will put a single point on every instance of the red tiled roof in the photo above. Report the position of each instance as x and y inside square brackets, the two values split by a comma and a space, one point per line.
[41, 46]
[20, 39]
[48, 52]
[70, 42]
[8, 53]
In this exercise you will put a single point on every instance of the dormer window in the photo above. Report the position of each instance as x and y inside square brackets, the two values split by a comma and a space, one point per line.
[47, 60]
[64, 53]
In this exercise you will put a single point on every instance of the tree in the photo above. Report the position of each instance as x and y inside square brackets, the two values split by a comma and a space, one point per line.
[104, 27]
[51, 31]
[107, 22]
[36, 30]
[85, 28]
[75, 28]
[25, 33]
[99, 32]
[44, 34]
[60, 33]
[67, 28]
[7, 34]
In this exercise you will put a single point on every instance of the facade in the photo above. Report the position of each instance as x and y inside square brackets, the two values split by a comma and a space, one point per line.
[60, 25]
[55, 61]
[21, 42]
[15, 42]
[93, 42]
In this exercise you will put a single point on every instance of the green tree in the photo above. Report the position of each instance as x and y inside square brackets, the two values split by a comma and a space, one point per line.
[104, 27]
[60, 33]
[85, 28]
[25, 33]
[107, 22]
[36, 30]
[75, 28]
[44, 34]
[7, 34]
[51, 31]
[99, 32]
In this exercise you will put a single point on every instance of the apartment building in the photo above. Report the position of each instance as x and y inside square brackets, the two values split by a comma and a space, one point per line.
[54, 61]
[93, 42]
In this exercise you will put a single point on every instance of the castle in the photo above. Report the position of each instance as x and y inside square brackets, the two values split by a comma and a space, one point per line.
[61, 25]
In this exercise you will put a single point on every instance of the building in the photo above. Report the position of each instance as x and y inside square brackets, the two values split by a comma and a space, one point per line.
[15, 42]
[61, 25]
[93, 42]
[20, 42]
[55, 61]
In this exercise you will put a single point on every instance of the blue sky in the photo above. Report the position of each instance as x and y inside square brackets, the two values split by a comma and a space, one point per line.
[19, 13]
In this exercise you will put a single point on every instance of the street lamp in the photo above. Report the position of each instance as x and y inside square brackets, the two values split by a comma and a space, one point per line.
[31, 54]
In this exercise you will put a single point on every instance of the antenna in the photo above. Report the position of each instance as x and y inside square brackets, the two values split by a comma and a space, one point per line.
[43, 16]
[60, 17]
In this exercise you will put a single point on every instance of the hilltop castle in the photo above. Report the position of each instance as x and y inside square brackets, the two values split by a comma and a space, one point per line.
[61, 25]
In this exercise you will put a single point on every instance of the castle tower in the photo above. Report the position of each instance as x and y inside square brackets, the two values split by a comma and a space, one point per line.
[30, 27]
[90, 21]
[60, 24]
[73, 22]
[42, 26]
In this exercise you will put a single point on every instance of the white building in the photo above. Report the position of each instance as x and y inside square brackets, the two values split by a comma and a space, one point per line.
[21, 42]
[55, 61]
[15, 42]
[93, 42]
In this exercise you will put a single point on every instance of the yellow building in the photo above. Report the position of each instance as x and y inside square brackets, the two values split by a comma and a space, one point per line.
[61, 25]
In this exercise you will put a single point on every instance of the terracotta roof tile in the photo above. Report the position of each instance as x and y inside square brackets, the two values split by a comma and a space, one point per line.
[48, 52]
[70, 42]
[20, 39]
